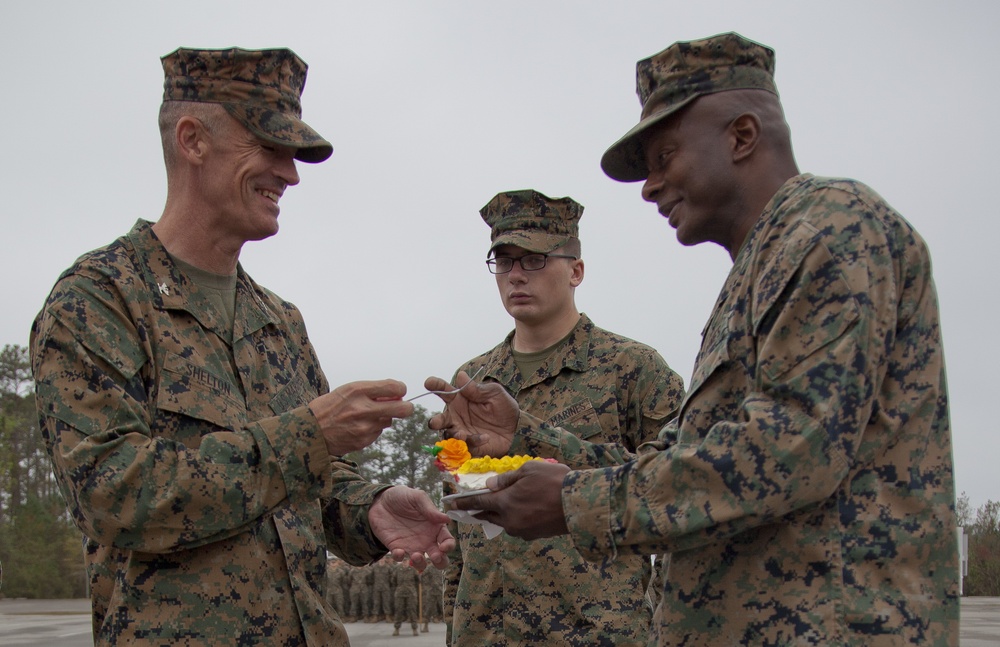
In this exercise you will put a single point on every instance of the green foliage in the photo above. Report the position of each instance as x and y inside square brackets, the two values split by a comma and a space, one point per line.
[397, 458]
[984, 548]
[15, 370]
[42, 553]
[964, 511]
[40, 549]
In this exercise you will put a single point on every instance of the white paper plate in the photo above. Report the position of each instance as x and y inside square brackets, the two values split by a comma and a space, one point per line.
[452, 497]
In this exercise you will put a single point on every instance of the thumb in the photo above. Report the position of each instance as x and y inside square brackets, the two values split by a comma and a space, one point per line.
[505, 479]
[435, 383]
[478, 392]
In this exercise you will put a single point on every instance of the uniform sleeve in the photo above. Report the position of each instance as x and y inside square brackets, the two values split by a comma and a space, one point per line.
[127, 487]
[345, 516]
[537, 438]
[798, 427]
[652, 403]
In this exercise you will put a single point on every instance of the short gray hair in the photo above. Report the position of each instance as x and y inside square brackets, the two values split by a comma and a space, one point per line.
[211, 115]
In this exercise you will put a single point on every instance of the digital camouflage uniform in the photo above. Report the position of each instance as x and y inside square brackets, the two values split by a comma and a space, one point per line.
[808, 496]
[191, 462]
[431, 589]
[613, 393]
[360, 593]
[382, 590]
[337, 575]
[405, 587]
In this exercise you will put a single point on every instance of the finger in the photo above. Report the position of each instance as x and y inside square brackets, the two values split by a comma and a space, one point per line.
[418, 562]
[475, 441]
[439, 421]
[437, 384]
[479, 391]
[424, 508]
[445, 541]
[451, 432]
[392, 409]
[383, 389]
[433, 515]
[476, 502]
[505, 479]
[440, 560]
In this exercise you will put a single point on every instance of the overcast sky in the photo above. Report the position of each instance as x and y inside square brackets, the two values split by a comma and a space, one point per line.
[433, 107]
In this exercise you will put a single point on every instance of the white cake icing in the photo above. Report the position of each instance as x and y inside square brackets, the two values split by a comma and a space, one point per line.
[473, 481]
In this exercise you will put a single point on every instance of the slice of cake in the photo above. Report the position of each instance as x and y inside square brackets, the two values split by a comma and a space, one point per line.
[452, 457]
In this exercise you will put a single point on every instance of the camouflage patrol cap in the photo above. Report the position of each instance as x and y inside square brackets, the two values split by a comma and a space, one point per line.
[259, 88]
[672, 79]
[531, 220]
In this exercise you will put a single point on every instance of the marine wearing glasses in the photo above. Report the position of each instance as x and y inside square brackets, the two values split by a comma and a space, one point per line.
[561, 368]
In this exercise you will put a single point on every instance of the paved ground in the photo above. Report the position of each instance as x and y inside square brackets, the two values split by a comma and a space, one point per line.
[980, 622]
[66, 623]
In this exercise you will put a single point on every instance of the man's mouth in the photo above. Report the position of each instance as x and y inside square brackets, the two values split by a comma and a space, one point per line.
[668, 208]
[270, 195]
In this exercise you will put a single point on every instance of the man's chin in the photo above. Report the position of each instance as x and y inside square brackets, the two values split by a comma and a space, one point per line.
[263, 233]
[527, 316]
[686, 238]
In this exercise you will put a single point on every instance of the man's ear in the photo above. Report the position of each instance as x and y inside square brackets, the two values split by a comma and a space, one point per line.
[745, 135]
[191, 139]
[577, 277]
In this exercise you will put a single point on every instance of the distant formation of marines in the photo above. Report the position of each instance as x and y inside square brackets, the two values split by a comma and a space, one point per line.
[386, 592]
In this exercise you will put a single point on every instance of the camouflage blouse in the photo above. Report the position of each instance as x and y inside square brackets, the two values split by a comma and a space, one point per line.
[191, 463]
[808, 496]
[612, 394]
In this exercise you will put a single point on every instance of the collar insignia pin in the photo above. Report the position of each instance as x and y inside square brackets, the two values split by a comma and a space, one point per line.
[164, 289]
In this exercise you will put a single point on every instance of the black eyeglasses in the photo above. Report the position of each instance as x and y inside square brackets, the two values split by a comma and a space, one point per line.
[529, 262]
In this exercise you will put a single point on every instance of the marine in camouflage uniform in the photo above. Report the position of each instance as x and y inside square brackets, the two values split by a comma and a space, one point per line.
[337, 575]
[180, 412]
[405, 586]
[381, 590]
[612, 392]
[359, 592]
[806, 496]
[431, 590]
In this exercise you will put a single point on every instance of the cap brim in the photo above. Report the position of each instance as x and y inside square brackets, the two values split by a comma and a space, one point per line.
[624, 160]
[536, 242]
[285, 130]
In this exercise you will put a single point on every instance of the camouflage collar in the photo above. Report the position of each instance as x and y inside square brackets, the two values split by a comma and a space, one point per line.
[171, 289]
[572, 355]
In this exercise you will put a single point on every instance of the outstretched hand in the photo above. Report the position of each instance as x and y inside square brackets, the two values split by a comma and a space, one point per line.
[406, 521]
[484, 415]
[526, 502]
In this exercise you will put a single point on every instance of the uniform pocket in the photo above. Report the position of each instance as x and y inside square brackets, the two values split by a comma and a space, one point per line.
[190, 390]
[579, 417]
[711, 359]
[296, 393]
